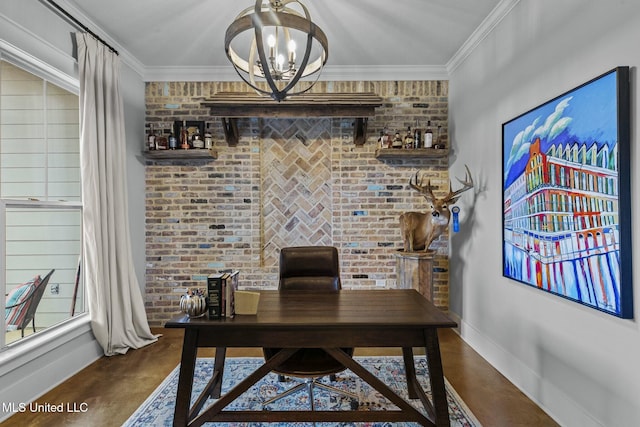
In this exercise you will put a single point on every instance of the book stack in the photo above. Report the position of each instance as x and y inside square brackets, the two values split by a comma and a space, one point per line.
[221, 288]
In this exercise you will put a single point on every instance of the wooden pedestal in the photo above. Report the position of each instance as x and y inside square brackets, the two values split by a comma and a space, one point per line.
[414, 270]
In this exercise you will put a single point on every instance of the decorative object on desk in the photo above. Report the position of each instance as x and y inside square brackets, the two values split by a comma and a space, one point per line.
[278, 30]
[247, 302]
[420, 229]
[159, 406]
[567, 195]
[194, 303]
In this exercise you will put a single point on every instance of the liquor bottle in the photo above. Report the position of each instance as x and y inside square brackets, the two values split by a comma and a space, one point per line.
[428, 136]
[173, 142]
[151, 139]
[408, 138]
[184, 136]
[386, 138]
[417, 137]
[197, 140]
[397, 141]
[161, 142]
[439, 142]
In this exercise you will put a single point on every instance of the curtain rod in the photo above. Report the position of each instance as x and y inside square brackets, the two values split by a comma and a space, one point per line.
[78, 24]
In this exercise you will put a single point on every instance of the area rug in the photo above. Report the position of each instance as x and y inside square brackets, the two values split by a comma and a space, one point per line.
[158, 409]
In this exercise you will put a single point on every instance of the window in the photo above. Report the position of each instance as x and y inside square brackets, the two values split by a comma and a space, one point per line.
[40, 196]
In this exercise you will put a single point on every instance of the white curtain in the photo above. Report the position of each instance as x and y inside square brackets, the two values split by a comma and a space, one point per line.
[116, 306]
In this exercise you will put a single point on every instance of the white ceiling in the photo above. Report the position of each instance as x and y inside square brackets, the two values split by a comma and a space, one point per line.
[187, 36]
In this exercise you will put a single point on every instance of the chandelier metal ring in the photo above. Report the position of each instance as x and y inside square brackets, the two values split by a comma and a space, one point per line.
[281, 19]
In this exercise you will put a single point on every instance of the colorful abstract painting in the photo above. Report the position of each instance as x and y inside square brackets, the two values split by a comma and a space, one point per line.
[566, 201]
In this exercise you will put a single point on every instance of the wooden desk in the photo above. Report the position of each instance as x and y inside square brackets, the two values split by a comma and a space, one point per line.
[299, 319]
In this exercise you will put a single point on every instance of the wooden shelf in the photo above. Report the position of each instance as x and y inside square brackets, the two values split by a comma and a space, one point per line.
[193, 154]
[230, 106]
[415, 153]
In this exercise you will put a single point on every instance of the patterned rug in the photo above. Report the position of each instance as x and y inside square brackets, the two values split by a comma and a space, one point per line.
[157, 410]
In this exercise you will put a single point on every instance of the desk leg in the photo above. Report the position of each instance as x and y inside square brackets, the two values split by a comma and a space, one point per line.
[185, 380]
[410, 372]
[436, 377]
[218, 367]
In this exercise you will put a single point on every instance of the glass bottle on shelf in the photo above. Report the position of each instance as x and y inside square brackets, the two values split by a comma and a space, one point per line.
[417, 137]
[151, 139]
[197, 140]
[386, 138]
[184, 136]
[173, 142]
[161, 141]
[408, 139]
[428, 136]
[397, 141]
[439, 143]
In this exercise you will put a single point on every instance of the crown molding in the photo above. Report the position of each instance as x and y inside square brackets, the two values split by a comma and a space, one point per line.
[385, 73]
[124, 54]
[329, 73]
[498, 13]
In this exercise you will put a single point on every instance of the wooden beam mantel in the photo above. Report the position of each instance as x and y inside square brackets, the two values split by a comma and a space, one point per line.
[230, 106]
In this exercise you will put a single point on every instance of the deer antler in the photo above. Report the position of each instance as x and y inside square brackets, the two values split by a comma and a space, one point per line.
[467, 185]
[426, 191]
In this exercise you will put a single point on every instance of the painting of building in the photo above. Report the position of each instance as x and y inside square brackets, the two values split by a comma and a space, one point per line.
[561, 222]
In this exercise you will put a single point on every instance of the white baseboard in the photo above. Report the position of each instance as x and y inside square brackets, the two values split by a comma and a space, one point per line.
[555, 402]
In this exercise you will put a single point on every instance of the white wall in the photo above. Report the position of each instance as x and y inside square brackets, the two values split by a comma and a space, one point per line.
[132, 89]
[581, 365]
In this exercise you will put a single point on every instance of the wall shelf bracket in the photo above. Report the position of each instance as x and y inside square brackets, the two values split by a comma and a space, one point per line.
[230, 127]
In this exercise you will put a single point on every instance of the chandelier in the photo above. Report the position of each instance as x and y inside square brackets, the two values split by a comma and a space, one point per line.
[269, 52]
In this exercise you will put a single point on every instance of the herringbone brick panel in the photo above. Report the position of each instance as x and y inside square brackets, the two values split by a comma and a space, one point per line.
[296, 188]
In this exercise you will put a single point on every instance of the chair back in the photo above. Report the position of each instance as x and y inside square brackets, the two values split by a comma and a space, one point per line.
[34, 300]
[309, 267]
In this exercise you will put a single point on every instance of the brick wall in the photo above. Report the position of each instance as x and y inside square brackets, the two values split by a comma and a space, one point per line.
[287, 182]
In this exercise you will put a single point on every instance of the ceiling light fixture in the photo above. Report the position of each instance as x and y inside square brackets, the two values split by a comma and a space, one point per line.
[278, 30]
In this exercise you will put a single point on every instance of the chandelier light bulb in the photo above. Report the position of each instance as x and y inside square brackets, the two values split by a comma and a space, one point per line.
[292, 51]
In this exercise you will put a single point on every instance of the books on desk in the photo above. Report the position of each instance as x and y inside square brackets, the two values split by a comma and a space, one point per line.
[221, 288]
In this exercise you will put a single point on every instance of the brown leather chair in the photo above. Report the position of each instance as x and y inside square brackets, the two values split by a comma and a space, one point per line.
[316, 268]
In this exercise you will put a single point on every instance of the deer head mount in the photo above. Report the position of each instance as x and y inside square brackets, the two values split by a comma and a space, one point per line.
[420, 229]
